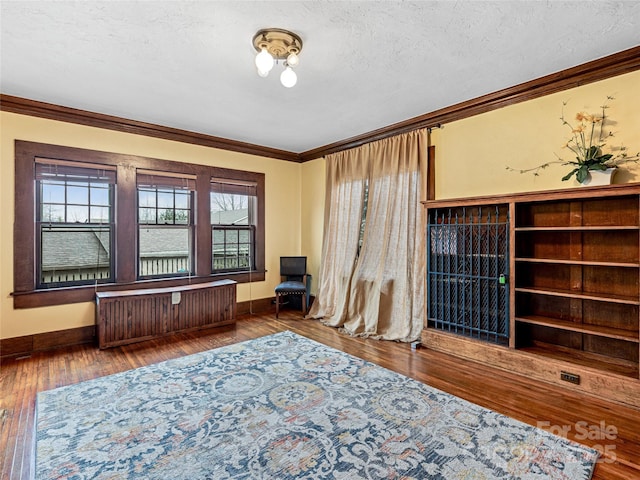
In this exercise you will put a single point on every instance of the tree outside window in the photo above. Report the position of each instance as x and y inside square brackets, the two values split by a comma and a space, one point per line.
[233, 228]
[74, 224]
[165, 225]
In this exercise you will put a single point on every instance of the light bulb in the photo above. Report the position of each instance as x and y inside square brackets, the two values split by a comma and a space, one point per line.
[293, 59]
[288, 78]
[264, 62]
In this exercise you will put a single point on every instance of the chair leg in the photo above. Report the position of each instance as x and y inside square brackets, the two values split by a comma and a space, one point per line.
[277, 304]
[304, 305]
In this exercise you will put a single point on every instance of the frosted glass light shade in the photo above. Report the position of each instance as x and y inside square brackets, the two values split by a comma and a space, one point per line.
[293, 59]
[288, 78]
[264, 62]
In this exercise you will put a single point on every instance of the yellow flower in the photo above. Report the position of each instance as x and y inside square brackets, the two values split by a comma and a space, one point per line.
[587, 143]
[587, 117]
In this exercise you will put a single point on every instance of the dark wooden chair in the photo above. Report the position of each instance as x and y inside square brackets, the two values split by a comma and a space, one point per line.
[293, 271]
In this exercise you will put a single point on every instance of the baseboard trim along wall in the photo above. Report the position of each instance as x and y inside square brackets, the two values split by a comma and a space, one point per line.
[28, 344]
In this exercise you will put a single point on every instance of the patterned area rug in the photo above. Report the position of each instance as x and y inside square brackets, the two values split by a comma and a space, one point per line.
[283, 407]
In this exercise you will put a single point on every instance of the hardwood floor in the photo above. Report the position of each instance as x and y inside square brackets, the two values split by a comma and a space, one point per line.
[555, 408]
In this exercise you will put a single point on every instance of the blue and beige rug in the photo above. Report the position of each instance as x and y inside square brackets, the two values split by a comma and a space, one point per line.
[284, 407]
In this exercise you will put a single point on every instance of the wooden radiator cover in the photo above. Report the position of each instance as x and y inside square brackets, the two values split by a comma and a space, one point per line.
[134, 315]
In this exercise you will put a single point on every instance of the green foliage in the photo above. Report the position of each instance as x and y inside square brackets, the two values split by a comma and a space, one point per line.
[582, 170]
[589, 135]
[170, 216]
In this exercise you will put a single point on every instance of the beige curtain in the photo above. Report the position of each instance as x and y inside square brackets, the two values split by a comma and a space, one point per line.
[344, 200]
[380, 291]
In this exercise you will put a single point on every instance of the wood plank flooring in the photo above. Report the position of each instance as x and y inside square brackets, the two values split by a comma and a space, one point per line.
[513, 395]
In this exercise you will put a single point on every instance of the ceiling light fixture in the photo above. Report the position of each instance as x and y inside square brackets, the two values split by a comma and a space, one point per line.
[275, 44]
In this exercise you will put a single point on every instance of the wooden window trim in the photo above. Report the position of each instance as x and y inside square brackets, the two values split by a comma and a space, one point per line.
[58, 171]
[235, 187]
[171, 183]
[25, 294]
[249, 228]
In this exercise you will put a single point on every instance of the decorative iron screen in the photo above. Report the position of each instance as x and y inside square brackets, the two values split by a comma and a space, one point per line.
[468, 271]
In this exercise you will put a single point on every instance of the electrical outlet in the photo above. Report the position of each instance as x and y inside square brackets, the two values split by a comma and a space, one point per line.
[175, 298]
[570, 377]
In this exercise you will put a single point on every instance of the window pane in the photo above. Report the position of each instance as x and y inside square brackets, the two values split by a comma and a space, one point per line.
[99, 215]
[78, 195]
[52, 213]
[166, 216]
[228, 253]
[181, 217]
[77, 214]
[164, 213]
[75, 254]
[164, 251]
[165, 199]
[243, 261]
[217, 256]
[229, 209]
[146, 198]
[147, 215]
[52, 192]
[232, 236]
[99, 195]
[182, 199]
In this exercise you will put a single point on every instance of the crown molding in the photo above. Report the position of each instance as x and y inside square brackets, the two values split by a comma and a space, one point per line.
[25, 106]
[610, 66]
[613, 65]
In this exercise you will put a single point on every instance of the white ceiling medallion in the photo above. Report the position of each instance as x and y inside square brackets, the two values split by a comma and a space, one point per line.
[275, 44]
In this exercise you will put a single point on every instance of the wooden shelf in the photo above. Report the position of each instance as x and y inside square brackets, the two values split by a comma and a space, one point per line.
[579, 255]
[603, 297]
[598, 330]
[578, 262]
[577, 229]
[572, 253]
[586, 359]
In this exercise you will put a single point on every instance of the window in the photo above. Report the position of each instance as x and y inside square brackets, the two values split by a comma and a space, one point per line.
[363, 220]
[165, 225]
[74, 223]
[232, 225]
[90, 221]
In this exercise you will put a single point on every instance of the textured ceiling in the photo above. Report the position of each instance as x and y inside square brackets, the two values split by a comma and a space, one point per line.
[364, 65]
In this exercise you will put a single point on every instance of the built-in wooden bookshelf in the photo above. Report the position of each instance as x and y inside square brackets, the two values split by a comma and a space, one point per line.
[574, 283]
[577, 280]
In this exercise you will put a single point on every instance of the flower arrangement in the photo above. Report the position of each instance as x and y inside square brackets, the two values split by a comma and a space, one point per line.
[589, 136]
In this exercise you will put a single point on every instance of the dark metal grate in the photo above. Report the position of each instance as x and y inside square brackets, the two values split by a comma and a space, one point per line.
[467, 272]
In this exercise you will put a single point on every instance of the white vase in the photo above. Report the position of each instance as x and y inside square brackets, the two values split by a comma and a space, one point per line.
[599, 177]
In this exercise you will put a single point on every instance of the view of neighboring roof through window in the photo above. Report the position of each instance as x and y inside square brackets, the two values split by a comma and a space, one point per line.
[91, 220]
[233, 225]
[74, 223]
[165, 224]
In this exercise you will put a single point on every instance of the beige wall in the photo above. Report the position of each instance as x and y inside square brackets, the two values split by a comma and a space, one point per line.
[471, 159]
[282, 208]
[472, 154]
[312, 201]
